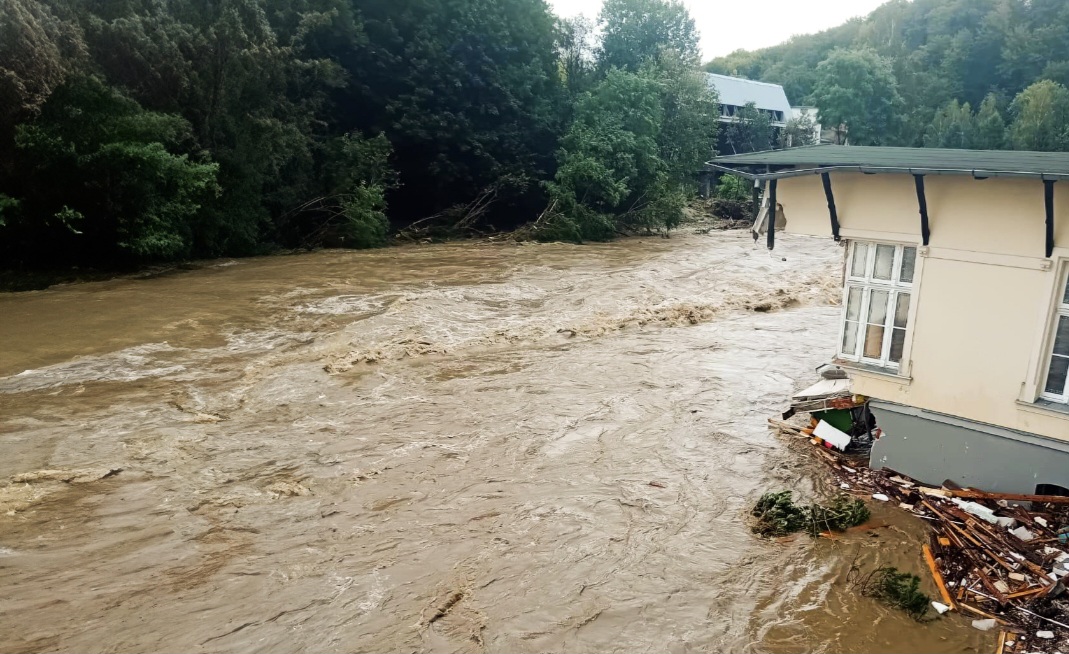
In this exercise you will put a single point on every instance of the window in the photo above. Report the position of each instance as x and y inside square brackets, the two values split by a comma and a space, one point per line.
[879, 284]
[1057, 386]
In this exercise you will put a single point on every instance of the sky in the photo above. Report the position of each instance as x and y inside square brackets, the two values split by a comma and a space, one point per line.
[728, 25]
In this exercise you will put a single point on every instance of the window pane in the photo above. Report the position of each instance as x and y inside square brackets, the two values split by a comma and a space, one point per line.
[861, 257]
[1059, 369]
[850, 338]
[909, 261]
[885, 259]
[902, 310]
[1061, 339]
[1065, 298]
[853, 304]
[878, 307]
[874, 341]
[898, 343]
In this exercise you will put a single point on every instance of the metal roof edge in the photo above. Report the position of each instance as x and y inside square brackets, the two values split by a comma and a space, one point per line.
[874, 170]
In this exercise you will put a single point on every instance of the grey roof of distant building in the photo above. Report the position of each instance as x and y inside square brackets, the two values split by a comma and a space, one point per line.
[978, 163]
[737, 91]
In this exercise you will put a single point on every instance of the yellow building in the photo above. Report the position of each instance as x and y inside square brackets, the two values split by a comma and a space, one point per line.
[955, 300]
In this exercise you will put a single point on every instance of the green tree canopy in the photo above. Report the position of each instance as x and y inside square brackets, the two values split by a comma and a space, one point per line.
[953, 127]
[1041, 118]
[856, 94]
[637, 32]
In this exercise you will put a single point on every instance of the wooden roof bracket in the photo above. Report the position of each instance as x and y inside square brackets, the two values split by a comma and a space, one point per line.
[922, 202]
[1048, 198]
[757, 186]
[826, 179]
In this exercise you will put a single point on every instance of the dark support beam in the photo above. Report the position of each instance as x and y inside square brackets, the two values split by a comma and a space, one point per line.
[1048, 198]
[756, 198]
[772, 213]
[922, 201]
[826, 178]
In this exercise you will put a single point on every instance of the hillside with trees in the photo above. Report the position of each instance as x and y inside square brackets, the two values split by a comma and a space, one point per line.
[976, 74]
[135, 131]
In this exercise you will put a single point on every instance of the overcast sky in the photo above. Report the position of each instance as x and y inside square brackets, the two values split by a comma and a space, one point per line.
[727, 25]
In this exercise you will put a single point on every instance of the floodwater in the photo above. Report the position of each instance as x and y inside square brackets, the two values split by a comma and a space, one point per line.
[452, 448]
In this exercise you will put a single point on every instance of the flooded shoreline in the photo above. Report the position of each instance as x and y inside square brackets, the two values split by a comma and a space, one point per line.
[434, 448]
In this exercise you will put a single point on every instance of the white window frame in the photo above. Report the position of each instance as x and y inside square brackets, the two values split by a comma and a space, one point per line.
[1061, 308]
[866, 284]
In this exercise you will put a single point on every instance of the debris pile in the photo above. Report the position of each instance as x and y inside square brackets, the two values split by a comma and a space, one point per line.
[999, 557]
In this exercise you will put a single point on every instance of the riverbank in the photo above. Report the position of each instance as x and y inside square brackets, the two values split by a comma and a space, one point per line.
[701, 217]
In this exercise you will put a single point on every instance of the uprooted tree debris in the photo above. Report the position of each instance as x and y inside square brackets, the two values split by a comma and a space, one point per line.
[990, 556]
[898, 589]
[778, 515]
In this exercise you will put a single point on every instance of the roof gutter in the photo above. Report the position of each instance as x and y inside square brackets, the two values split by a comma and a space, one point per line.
[873, 170]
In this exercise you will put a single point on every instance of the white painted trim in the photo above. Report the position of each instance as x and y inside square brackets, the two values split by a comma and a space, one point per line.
[988, 258]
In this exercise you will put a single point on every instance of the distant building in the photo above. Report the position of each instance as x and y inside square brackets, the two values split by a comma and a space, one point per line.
[735, 93]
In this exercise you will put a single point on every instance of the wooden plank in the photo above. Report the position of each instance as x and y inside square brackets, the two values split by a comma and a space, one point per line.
[930, 560]
[1025, 593]
[1001, 642]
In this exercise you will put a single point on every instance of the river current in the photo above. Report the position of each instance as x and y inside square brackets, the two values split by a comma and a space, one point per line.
[464, 447]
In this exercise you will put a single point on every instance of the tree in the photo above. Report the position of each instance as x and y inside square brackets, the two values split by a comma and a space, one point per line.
[750, 130]
[125, 192]
[608, 162]
[990, 133]
[856, 95]
[800, 130]
[38, 51]
[1041, 118]
[462, 96]
[953, 127]
[636, 32]
[691, 111]
[575, 48]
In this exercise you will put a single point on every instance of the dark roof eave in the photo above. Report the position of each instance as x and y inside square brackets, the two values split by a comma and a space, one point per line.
[873, 170]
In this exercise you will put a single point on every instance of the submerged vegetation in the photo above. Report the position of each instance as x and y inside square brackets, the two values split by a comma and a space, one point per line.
[778, 515]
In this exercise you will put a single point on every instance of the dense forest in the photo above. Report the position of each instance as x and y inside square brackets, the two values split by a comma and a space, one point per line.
[134, 131]
[977, 74]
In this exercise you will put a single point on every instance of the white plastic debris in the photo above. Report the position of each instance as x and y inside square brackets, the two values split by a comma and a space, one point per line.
[1040, 521]
[985, 625]
[844, 486]
[830, 434]
[1045, 634]
[1022, 533]
[978, 510]
[940, 608]
[880, 496]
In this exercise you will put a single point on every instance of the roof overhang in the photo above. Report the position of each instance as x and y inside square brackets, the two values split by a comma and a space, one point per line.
[747, 171]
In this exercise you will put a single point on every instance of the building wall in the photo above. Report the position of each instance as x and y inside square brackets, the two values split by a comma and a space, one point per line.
[984, 292]
[934, 448]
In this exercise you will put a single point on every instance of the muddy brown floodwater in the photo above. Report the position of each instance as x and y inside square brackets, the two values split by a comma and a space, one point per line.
[436, 448]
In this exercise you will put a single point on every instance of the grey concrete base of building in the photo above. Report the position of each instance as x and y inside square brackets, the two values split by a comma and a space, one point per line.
[933, 447]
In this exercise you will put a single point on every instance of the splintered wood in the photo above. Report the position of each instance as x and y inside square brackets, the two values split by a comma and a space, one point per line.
[990, 557]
